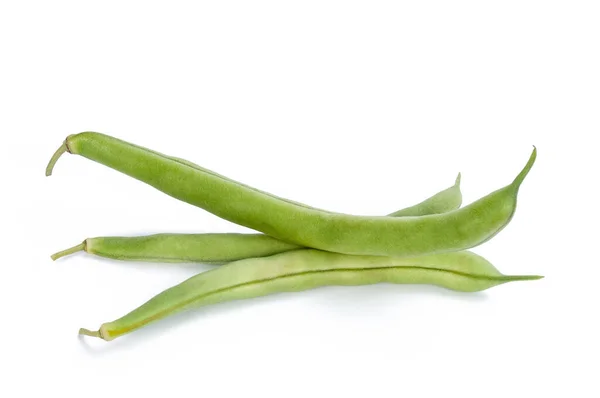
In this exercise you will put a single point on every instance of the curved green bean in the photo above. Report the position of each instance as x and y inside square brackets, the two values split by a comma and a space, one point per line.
[368, 235]
[224, 248]
[300, 270]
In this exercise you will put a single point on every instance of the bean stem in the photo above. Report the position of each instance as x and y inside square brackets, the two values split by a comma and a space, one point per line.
[63, 148]
[92, 333]
[68, 251]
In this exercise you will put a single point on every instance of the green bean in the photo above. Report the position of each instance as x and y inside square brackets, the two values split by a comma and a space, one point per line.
[368, 235]
[300, 270]
[177, 248]
[224, 248]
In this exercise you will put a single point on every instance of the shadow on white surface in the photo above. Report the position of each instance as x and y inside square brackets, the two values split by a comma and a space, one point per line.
[387, 294]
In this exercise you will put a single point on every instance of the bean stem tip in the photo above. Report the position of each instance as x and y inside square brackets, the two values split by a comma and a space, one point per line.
[63, 148]
[68, 251]
[92, 333]
[526, 277]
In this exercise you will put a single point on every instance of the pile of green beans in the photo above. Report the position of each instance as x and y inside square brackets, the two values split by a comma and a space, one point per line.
[301, 247]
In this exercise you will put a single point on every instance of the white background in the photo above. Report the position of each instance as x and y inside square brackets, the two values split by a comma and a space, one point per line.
[356, 106]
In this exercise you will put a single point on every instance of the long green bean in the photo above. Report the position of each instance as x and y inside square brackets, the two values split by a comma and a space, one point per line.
[305, 269]
[293, 223]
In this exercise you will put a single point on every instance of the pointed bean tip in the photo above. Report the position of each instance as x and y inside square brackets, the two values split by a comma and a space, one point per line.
[529, 277]
[457, 181]
[521, 177]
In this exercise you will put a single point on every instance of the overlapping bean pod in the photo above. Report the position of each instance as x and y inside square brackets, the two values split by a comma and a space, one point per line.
[298, 224]
[227, 247]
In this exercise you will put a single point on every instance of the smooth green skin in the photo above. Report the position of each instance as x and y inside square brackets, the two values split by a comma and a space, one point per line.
[306, 269]
[177, 248]
[224, 248]
[444, 201]
[367, 235]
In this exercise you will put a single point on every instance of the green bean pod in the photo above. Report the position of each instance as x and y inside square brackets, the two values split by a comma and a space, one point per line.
[285, 220]
[227, 247]
[209, 248]
[306, 269]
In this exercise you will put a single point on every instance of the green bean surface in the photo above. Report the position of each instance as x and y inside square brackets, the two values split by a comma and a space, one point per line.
[308, 269]
[224, 248]
[288, 221]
